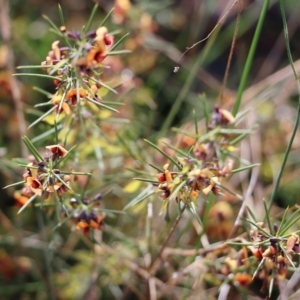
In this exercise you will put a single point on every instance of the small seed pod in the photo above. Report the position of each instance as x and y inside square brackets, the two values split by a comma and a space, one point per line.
[73, 35]
[165, 194]
[258, 253]
[269, 252]
[98, 197]
[73, 202]
[161, 177]
[296, 248]
[242, 279]
[62, 29]
[290, 243]
[91, 34]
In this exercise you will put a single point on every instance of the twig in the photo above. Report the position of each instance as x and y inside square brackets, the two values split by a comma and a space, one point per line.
[236, 29]
[155, 263]
[132, 266]
[208, 36]
[203, 251]
[254, 144]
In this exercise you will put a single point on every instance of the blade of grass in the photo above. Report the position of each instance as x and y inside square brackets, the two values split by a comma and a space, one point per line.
[268, 217]
[106, 17]
[156, 168]
[52, 25]
[42, 117]
[249, 59]
[59, 65]
[101, 105]
[32, 149]
[287, 256]
[113, 103]
[56, 133]
[195, 121]
[142, 196]
[184, 154]
[203, 100]
[164, 154]
[279, 233]
[192, 208]
[259, 228]
[62, 181]
[258, 268]
[34, 67]
[218, 184]
[146, 180]
[99, 159]
[176, 191]
[140, 172]
[103, 84]
[119, 42]
[47, 94]
[56, 30]
[292, 220]
[271, 284]
[91, 18]
[112, 211]
[44, 104]
[243, 135]
[36, 75]
[46, 134]
[27, 203]
[183, 132]
[239, 244]
[118, 52]
[13, 184]
[61, 15]
[75, 173]
[244, 168]
[251, 214]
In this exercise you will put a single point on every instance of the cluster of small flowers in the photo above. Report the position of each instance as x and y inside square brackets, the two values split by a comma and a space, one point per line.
[275, 257]
[88, 216]
[42, 179]
[202, 173]
[76, 68]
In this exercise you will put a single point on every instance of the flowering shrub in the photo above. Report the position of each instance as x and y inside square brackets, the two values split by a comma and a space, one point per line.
[123, 217]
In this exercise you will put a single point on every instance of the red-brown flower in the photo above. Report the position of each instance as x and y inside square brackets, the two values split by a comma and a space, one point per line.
[57, 150]
[72, 95]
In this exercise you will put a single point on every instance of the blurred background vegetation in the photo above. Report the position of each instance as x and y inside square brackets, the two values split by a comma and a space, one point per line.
[39, 263]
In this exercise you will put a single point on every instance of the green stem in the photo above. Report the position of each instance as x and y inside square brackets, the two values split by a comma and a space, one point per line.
[288, 149]
[250, 58]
